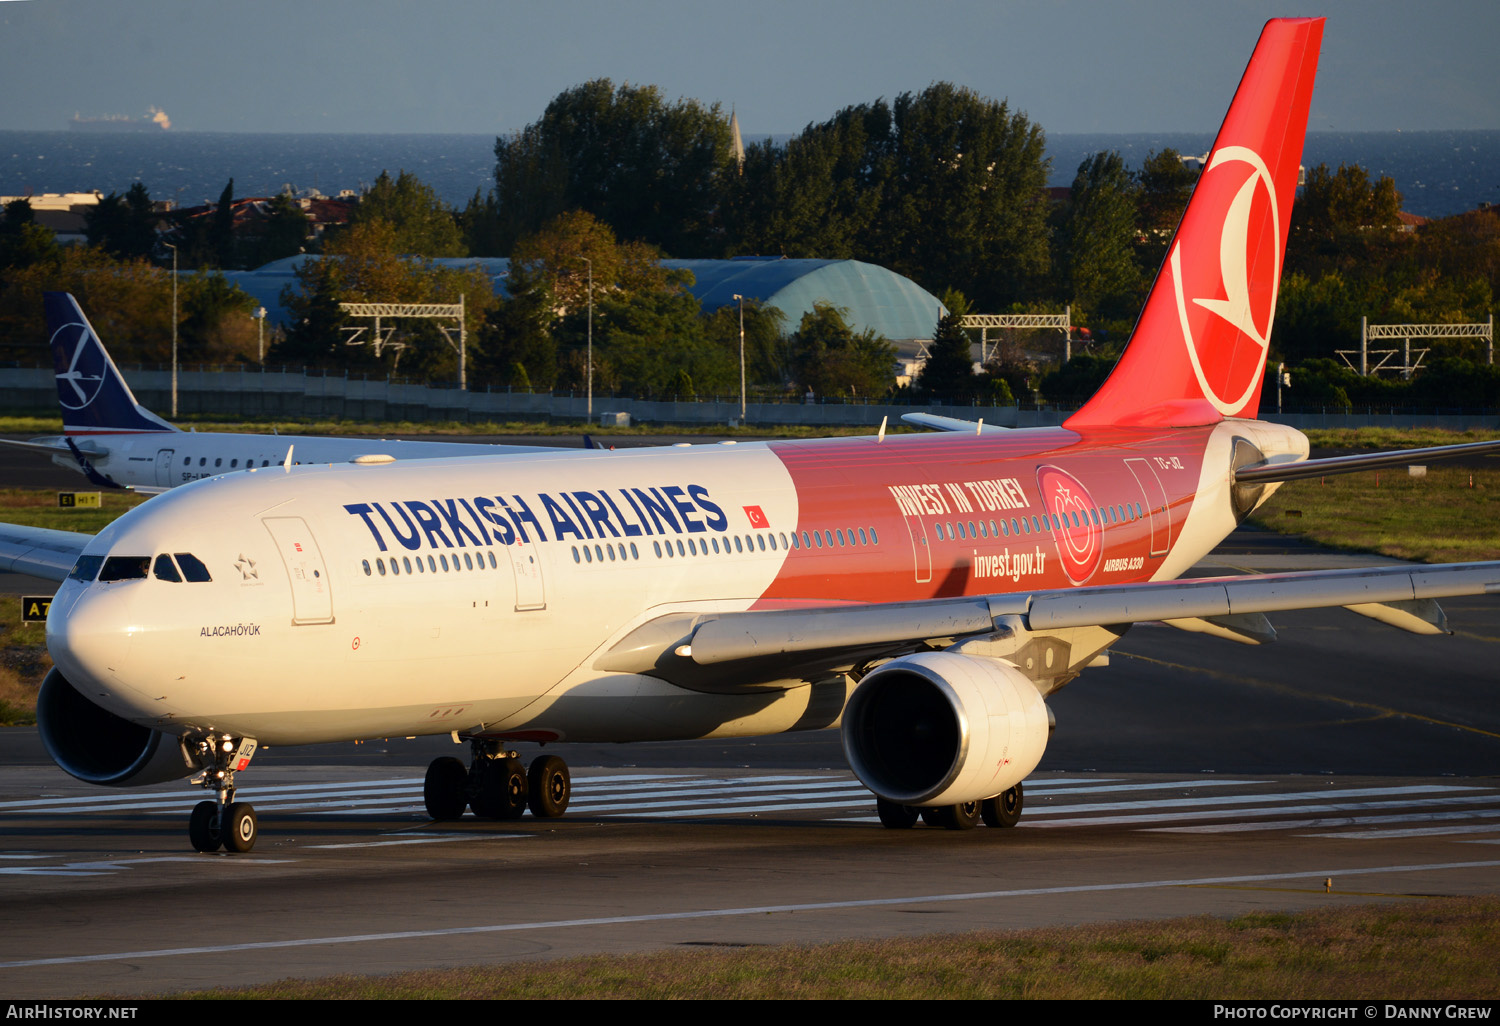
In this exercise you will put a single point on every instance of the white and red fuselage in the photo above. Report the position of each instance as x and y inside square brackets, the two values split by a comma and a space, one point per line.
[354, 601]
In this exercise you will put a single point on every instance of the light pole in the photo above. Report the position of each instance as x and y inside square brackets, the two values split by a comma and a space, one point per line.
[174, 327]
[590, 416]
[741, 300]
[260, 348]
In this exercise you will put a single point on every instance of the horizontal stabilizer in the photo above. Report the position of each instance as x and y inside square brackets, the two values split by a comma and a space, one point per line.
[1265, 473]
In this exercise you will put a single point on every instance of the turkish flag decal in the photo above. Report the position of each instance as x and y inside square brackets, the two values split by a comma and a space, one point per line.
[757, 516]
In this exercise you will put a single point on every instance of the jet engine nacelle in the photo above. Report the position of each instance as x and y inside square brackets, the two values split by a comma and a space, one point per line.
[98, 747]
[940, 728]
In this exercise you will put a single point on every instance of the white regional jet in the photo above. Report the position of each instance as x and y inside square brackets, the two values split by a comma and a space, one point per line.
[925, 593]
[118, 443]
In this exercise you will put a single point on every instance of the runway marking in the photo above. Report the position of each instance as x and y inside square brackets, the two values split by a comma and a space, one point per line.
[105, 867]
[425, 839]
[1243, 812]
[1231, 800]
[1382, 835]
[723, 913]
[1313, 824]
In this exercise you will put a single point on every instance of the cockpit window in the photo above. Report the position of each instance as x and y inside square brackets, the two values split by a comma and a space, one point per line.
[125, 568]
[193, 569]
[166, 570]
[86, 569]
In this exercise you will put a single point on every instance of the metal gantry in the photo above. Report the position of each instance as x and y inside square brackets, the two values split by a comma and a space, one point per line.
[380, 336]
[1406, 332]
[1062, 322]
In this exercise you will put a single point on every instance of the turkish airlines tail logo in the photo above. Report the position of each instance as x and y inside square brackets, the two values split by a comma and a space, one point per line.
[1198, 352]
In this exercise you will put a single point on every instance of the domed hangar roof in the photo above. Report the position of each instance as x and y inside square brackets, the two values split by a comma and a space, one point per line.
[892, 304]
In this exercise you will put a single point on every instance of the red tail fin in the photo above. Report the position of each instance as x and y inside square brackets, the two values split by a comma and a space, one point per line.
[1198, 352]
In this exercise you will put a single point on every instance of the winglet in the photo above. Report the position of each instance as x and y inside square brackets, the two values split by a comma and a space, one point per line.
[94, 397]
[1198, 352]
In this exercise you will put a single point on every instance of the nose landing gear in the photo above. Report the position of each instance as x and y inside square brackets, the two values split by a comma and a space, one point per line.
[496, 785]
[223, 823]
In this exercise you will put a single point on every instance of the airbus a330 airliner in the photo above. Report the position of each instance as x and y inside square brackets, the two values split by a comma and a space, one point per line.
[117, 443]
[924, 593]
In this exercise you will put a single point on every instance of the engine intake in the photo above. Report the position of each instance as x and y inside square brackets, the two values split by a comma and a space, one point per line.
[940, 728]
[98, 747]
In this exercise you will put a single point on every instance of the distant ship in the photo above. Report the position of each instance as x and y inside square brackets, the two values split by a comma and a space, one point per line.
[155, 121]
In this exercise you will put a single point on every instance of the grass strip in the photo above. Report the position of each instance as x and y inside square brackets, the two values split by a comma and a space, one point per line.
[1451, 515]
[1437, 949]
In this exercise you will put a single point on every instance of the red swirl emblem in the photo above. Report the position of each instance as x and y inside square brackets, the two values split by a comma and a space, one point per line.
[1079, 540]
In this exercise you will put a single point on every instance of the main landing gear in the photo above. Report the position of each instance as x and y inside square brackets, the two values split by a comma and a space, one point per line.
[223, 823]
[1003, 810]
[496, 785]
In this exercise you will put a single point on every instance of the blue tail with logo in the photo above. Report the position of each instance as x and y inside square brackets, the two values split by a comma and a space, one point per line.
[94, 397]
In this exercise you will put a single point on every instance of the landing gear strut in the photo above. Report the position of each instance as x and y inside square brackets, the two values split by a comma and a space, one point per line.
[223, 823]
[496, 784]
[1003, 810]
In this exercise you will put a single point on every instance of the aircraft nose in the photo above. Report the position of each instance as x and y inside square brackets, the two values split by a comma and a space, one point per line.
[89, 633]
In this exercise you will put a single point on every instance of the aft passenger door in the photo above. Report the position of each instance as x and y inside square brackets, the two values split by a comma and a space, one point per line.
[526, 563]
[312, 592]
[164, 468]
[1158, 510]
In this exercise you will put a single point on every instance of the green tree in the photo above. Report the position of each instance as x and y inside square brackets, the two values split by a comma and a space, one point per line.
[642, 340]
[23, 242]
[765, 354]
[654, 170]
[516, 344]
[125, 227]
[831, 359]
[818, 196]
[422, 223]
[941, 185]
[1344, 202]
[479, 224]
[1077, 380]
[283, 233]
[221, 231]
[128, 301]
[1165, 186]
[363, 264]
[948, 373]
[1096, 241]
[216, 322]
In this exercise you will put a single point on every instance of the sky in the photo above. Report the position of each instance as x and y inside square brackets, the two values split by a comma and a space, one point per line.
[491, 66]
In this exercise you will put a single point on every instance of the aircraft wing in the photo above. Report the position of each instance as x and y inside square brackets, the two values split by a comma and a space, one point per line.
[692, 650]
[40, 551]
[51, 447]
[937, 423]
